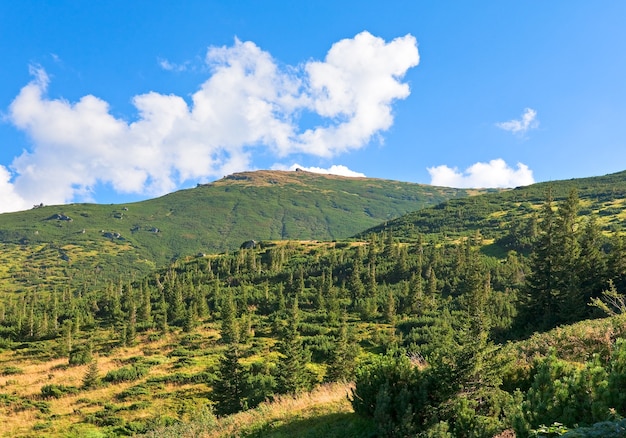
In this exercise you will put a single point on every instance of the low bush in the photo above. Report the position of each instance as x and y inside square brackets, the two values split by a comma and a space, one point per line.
[126, 374]
[388, 391]
[604, 429]
[10, 370]
[133, 392]
[80, 355]
[57, 391]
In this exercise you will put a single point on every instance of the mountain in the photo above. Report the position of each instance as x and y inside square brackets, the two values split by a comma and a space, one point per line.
[158, 355]
[89, 242]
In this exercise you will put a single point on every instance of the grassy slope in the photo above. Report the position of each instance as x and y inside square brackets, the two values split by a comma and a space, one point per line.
[212, 218]
[324, 413]
[492, 214]
[604, 195]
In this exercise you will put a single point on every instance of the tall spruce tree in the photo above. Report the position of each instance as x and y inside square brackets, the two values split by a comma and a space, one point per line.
[230, 326]
[592, 262]
[343, 356]
[540, 302]
[292, 377]
[617, 262]
[230, 387]
[90, 379]
[571, 305]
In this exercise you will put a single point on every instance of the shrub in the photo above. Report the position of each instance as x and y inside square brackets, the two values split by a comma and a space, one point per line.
[605, 429]
[57, 391]
[566, 393]
[391, 390]
[615, 396]
[80, 355]
[106, 417]
[126, 374]
[10, 370]
[133, 392]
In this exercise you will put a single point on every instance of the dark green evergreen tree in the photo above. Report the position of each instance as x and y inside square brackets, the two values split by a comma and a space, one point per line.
[355, 284]
[617, 262]
[230, 387]
[131, 327]
[230, 326]
[592, 267]
[145, 309]
[191, 317]
[416, 295]
[91, 378]
[571, 304]
[540, 301]
[390, 307]
[291, 374]
[343, 356]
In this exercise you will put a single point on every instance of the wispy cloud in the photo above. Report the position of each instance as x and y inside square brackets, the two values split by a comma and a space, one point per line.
[248, 102]
[171, 66]
[527, 122]
[335, 169]
[495, 173]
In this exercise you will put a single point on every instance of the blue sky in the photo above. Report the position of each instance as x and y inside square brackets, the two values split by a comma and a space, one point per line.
[125, 100]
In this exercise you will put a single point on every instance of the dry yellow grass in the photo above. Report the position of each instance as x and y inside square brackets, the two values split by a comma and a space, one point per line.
[34, 375]
[69, 411]
[330, 397]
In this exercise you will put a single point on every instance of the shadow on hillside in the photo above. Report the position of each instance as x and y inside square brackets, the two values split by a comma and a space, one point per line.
[337, 425]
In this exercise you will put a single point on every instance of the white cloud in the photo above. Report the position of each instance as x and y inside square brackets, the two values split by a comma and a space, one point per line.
[495, 173]
[357, 92]
[523, 125]
[9, 200]
[335, 169]
[171, 66]
[248, 102]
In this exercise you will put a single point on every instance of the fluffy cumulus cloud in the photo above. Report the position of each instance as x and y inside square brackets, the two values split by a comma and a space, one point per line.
[495, 173]
[527, 122]
[8, 197]
[335, 169]
[249, 101]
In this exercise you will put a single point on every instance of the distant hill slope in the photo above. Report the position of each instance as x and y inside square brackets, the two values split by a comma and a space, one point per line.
[88, 242]
[494, 215]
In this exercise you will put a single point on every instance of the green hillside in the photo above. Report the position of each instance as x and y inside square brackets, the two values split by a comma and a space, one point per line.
[84, 243]
[497, 216]
[442, 331]
[414, 325]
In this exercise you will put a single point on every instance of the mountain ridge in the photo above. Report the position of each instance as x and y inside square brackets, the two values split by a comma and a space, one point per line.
[113, 239]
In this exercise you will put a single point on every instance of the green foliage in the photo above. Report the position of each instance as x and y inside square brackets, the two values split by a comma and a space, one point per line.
[576, 395]
[17, 404]
[604, 429]
[555, 429]
[128, 373]
[57, 391]
[392, 391]
[10, 370]
[133, 239]
[342, 362]
[563, 392]
[91, 377]
[80, 355]
[615, 397]
[229, 392]
[611, 302]
[292, 376]
[293, 313]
